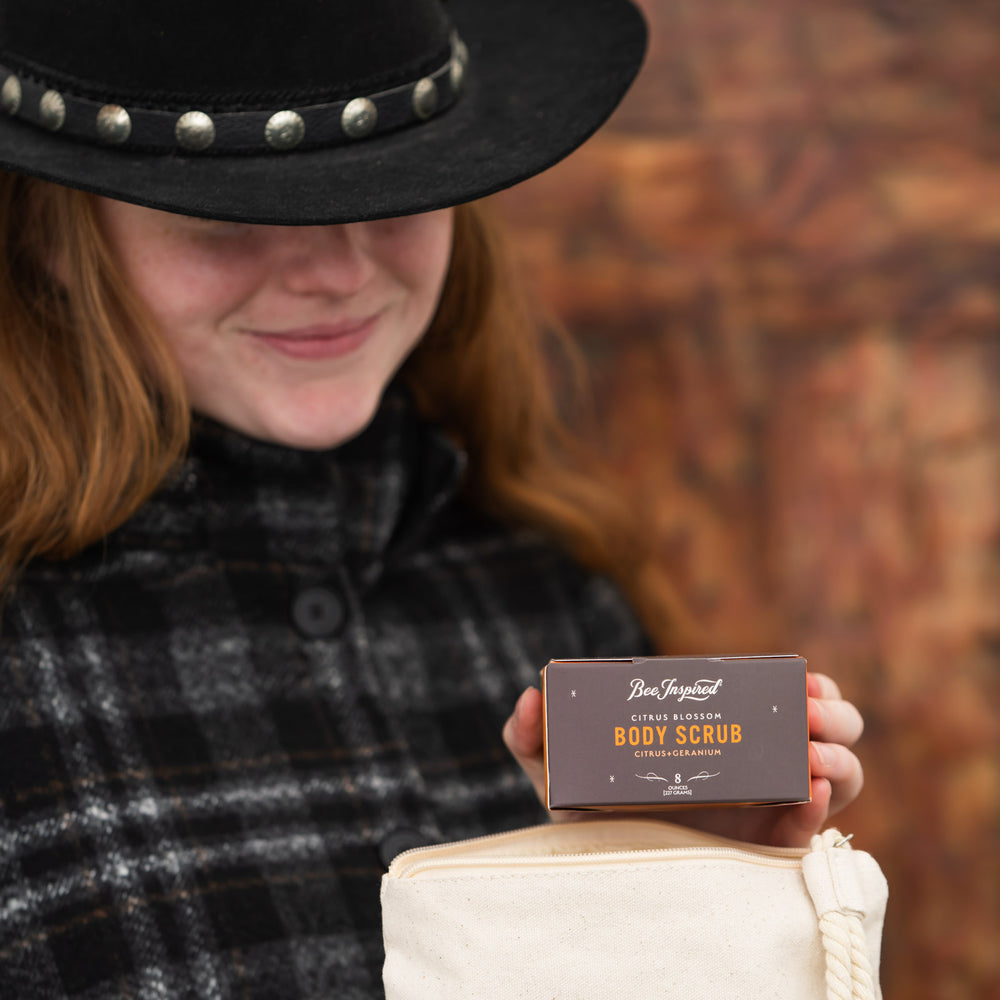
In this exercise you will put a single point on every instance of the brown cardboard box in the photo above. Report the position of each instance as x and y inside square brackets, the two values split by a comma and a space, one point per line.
[669, 731]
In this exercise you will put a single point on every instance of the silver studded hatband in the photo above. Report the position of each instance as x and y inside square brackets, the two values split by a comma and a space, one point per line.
[198, 132]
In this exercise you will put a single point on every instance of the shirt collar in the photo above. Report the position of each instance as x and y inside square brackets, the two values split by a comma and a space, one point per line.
[357, 505]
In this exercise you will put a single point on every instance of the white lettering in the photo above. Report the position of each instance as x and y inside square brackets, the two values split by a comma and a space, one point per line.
[700, 690]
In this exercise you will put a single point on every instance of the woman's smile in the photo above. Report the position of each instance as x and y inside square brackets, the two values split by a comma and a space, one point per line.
[320, 341]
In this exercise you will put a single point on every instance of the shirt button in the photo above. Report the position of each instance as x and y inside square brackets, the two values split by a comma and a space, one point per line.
[399, 840]
[318, 613]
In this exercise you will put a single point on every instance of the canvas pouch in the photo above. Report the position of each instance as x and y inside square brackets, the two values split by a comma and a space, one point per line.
[640, 908]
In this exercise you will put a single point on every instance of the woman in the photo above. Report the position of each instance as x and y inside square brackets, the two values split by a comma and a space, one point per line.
[288, 519]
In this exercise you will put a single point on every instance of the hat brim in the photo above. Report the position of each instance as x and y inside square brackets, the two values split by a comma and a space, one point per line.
[542, 77]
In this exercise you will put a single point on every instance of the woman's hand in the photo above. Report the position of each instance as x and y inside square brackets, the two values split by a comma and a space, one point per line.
[835, 725]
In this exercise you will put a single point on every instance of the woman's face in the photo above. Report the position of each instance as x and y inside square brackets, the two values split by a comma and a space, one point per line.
[286, 333]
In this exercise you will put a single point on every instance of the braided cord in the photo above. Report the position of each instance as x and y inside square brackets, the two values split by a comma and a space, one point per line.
[848, 968]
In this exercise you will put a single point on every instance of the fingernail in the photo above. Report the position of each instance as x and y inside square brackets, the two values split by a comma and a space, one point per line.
[821, 757]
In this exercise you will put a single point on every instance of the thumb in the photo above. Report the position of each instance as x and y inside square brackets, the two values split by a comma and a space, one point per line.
[522, 733]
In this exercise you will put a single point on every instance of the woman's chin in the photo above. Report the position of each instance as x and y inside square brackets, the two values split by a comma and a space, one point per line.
[315, 428]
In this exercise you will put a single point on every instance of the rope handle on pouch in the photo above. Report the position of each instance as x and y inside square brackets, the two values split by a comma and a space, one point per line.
[832, 880]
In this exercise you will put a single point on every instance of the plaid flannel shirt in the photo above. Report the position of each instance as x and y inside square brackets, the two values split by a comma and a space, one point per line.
[217, 725]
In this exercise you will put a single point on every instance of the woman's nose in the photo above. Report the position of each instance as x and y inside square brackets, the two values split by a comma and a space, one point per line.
[323, 260]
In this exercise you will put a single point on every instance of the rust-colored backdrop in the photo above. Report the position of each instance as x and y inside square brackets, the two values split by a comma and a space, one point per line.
[783, 259]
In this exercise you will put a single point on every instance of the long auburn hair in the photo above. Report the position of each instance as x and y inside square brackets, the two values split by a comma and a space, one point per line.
[94, 413]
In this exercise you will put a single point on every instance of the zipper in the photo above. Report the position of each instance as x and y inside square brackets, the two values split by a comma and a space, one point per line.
[419, 867]
[400, 860]
[463, 854]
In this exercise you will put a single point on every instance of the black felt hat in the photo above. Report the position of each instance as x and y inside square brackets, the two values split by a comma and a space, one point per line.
[306, 111]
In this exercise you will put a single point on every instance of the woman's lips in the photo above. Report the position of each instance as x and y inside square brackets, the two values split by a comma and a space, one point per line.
[323, 340]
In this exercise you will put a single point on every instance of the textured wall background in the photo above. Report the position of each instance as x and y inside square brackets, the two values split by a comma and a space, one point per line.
[783, 259]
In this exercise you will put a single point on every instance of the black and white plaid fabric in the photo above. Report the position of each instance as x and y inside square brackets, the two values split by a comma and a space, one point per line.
[216, 726]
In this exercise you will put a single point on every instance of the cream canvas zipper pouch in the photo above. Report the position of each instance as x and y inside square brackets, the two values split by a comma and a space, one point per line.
[640, 908]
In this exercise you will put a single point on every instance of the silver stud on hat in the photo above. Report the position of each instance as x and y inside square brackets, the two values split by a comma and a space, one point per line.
[113, 124]
[459, 61]
[425, 98]
[358, 117]
[10, 95]
[457, 75]
[52, 110]
[284, 130]
[195, 131]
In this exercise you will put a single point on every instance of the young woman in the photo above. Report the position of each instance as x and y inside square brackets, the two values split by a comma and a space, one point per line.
[288, 520]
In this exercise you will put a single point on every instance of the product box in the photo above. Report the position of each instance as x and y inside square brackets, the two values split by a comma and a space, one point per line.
[670, 730]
